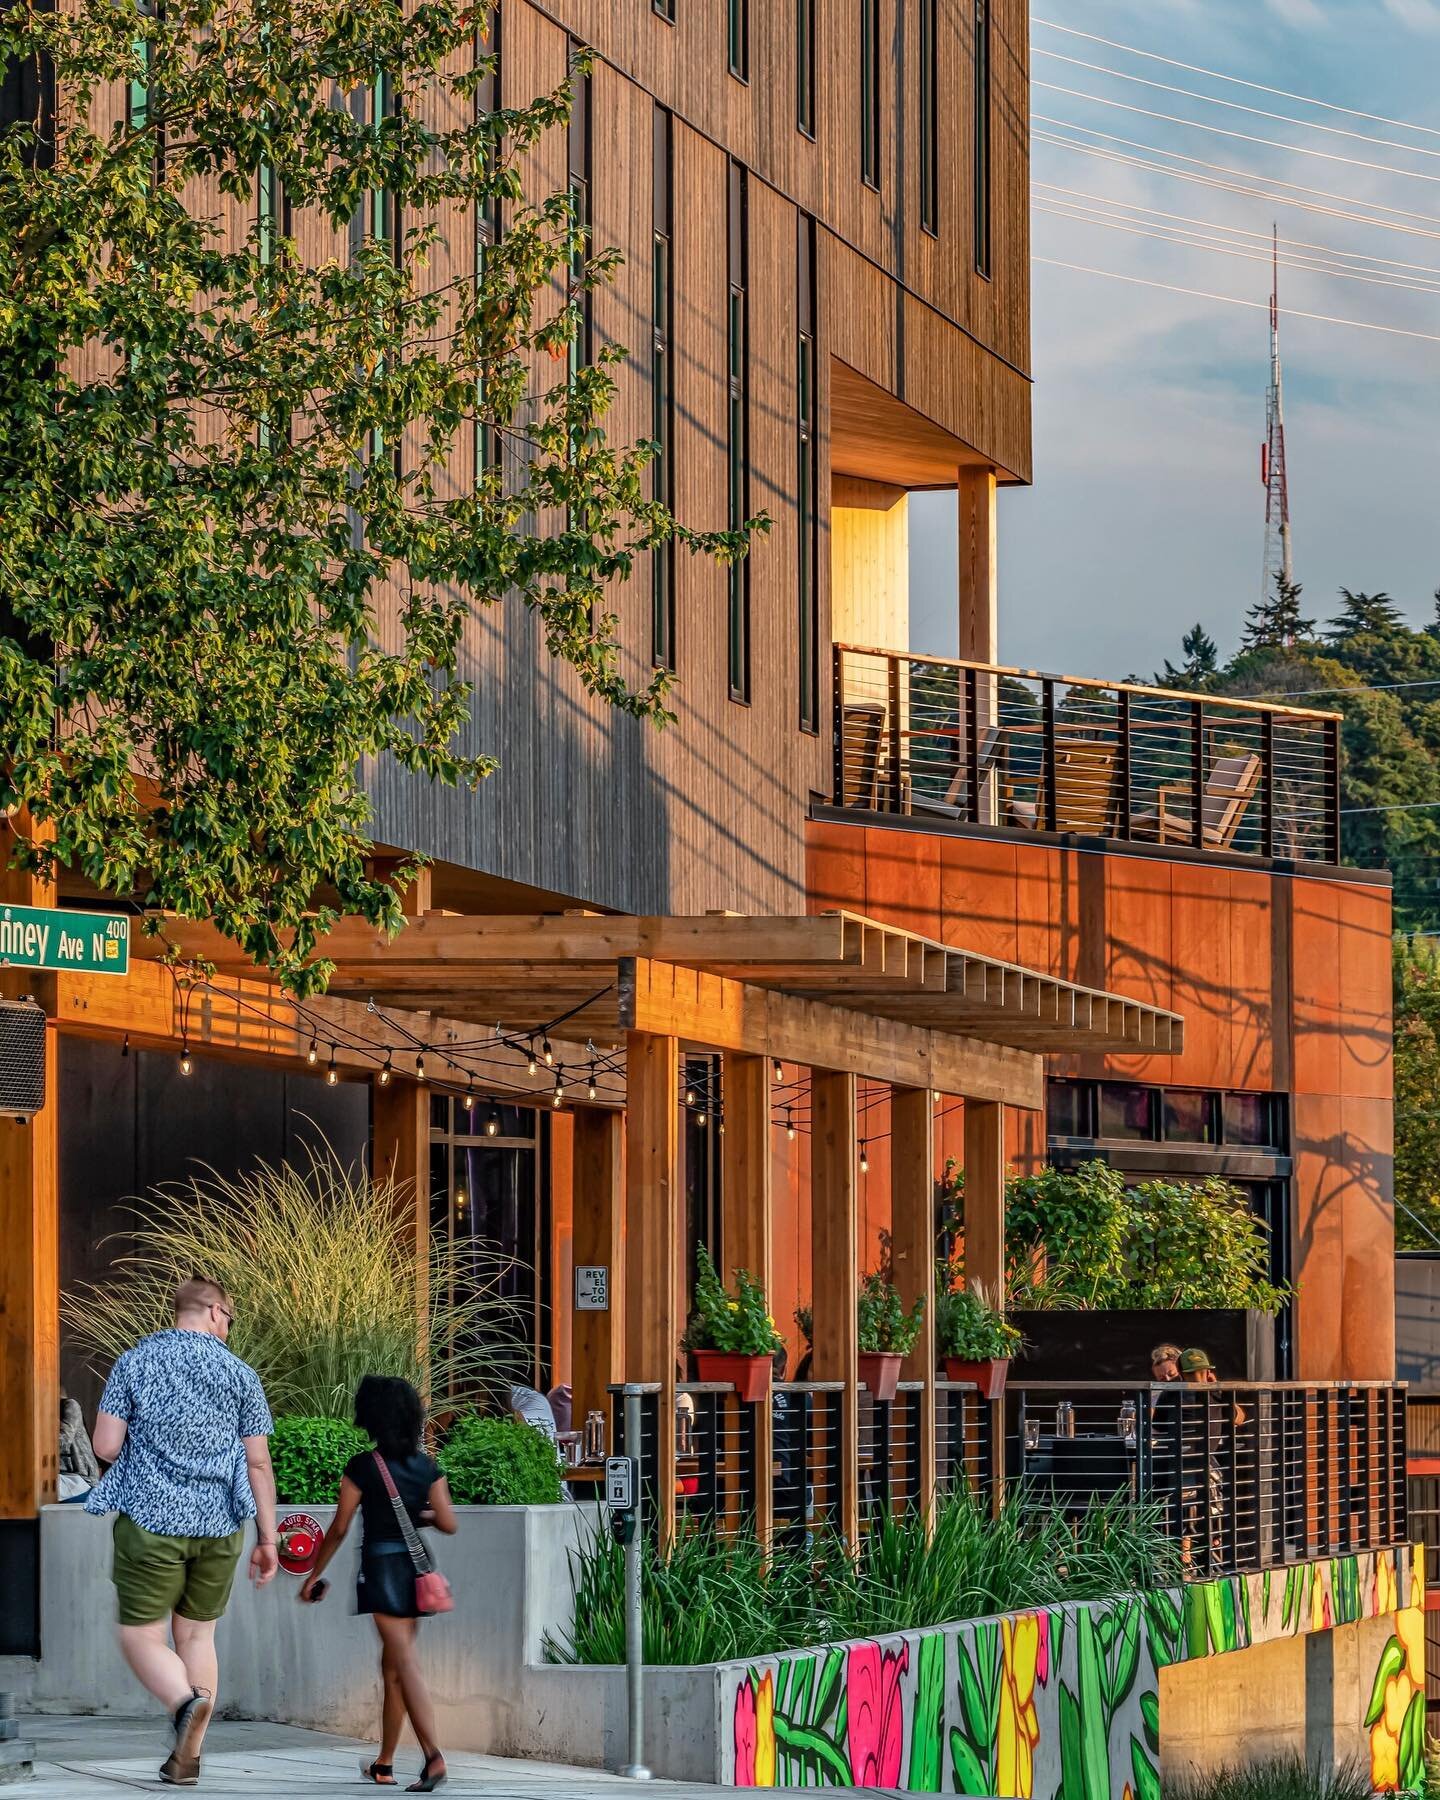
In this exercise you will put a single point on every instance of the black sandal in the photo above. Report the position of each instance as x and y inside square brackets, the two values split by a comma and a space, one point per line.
[381, 1774]
[428, 1783]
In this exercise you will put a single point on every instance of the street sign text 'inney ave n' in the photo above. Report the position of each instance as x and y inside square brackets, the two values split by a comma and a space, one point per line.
[43, 937]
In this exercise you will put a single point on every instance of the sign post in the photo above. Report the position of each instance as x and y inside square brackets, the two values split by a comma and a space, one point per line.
[622, 1493]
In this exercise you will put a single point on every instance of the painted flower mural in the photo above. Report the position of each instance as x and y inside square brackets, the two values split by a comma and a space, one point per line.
[755, 1732]
[876, 1717]
[1025, 1660]
[1396, 1715]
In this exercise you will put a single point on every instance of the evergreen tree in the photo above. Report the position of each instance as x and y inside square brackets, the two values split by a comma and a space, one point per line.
[1277, 622]
[1202, 661]
[1364, 615]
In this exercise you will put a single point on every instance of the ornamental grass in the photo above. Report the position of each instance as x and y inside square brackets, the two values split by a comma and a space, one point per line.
[718, 1599]
[320, 1262]
[1280, 1778]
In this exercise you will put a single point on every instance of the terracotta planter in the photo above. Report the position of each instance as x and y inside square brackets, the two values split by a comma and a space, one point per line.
[988, 1376]
[749, 1375]
[880, 1371]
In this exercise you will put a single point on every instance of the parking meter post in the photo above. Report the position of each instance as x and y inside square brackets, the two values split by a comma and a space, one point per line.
[635, 1769]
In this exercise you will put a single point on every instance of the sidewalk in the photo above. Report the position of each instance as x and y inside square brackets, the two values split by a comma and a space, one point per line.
[80, 1758]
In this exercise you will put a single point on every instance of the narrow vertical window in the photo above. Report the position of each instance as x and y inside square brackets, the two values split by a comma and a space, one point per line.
[665, 9]
[382, 222]
[737, 36]
[269, 228]
[806, 482]
[579, 156]
[487, 230]
[870, 92]
[739, 429]
[929, 117]
[662, 424]
[805, 66]
[982, 137]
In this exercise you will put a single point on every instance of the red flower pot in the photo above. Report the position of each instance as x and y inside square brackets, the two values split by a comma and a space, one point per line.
[988, 1376]
[748, 1375]
[880, 1371]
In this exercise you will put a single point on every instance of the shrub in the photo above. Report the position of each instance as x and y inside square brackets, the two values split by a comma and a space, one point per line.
[739, 1324]
[500, 1462]
[309, 1456]
[719, 1599]
[884, 1325]
[321, 1263]
[969, 1328]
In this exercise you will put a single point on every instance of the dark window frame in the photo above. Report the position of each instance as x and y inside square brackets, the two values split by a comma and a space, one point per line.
[870, 93]
[488, 227]
[737, 39]
[662, 379]
[981, 136]
[807, 484]
[805, 68]
[664, 9]
[930, 117]
[738, 424]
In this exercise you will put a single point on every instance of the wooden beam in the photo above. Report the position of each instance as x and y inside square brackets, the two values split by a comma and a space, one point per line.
[654, 1184]
[29, 1254]
[979, 565]
[985, 1197]
[834, 1270]
[597, 1338]
[912, 1228]
[400, 1152]
[719, 1014]
[746, 1229]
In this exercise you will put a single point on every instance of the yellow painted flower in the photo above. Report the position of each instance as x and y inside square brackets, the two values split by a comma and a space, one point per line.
[1410, 1629]
[765, 1732]
[1386, 1594]
[1397, 1734]
[1024, 1643]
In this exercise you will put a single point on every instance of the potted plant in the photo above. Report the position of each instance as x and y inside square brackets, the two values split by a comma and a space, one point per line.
[887, 1333]
[974, 1339]
[732, 1336]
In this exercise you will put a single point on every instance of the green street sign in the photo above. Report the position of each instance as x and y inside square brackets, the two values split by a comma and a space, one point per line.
[43, 937]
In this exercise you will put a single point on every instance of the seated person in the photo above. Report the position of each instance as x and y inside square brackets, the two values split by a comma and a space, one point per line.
[1165, 1362]
[531, 1406]
[562, 1407]
[78, 1471]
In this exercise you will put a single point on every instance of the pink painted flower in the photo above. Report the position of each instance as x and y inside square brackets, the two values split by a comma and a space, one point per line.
[1042, 1655]
[745, 1734]
[876, 1722]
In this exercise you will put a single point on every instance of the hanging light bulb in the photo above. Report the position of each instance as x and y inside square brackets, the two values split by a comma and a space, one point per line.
[332, 1074]
[590, 1084]
[547, 1053]
[789, 1124]
[470, 1093]
[864, 1158]
[690, 1096]
[459, 1199]
[384, 1076]
[701, 1118]
[125, 1046]
[776, 1070]
[312, 1055]
[420, 1067]
[530, 1064]
[720, 1123]
[186, 1065]
[492, 1122]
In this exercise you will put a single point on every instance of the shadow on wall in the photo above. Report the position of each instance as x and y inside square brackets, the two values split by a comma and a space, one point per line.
[130, 1123]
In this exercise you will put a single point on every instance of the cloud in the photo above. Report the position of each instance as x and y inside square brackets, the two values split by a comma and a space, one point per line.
[1415, 15]
[1300, 15]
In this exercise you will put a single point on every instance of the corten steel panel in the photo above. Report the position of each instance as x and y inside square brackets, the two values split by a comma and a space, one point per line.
[1037, 885]
[1368, 1305]
[902, 885]
[1139, 958]
[1363, 918]
[835, 866]
[977, 895]
[1200, 941]
[1255, 981]
[1319, 1018]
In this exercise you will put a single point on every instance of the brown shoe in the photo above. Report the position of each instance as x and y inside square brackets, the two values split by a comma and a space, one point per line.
[180, 1771]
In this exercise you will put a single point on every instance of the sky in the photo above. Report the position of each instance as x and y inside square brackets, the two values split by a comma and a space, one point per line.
[1147, 512]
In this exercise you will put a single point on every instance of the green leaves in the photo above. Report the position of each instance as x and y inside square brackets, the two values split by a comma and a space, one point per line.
[740, 1324]
[500, 1462]
[243, 548]
[309, 1457]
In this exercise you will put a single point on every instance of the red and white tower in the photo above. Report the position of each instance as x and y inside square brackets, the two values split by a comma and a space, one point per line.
[1272, 451]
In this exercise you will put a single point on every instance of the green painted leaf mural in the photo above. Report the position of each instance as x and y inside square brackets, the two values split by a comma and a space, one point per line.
[966, 1769]
[927, 1723]
[1412, 1746]
[827, 1690]
[1126, 1657]
[1150, 1713]
[814, 1745]
[1147, 1777]
[1072, 1752]
[1392, 1661]
[1094, 1719]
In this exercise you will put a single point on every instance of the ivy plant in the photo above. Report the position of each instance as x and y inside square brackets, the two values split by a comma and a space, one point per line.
[241, 541]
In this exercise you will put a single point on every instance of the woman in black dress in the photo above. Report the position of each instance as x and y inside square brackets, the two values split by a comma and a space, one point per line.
[392, 1413]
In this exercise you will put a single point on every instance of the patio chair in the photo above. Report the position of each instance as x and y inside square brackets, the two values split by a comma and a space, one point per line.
[1084, 789]
[862, 732]
[1229, 789]
[950, 805]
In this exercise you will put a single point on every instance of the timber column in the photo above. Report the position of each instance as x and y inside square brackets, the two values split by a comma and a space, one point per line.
[29, 1306]
[834, 1265]
[745, 1234]
[912, 1230]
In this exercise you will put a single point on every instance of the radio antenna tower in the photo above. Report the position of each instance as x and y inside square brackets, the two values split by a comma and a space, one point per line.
[1272, 452]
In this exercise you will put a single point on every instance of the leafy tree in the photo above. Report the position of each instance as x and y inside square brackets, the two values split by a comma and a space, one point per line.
[1277, 621]
[1417, 1094]
[237, 560]
[1364, 615]
[1202, 660]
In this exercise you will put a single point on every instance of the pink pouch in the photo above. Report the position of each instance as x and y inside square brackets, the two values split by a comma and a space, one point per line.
[432, 1593]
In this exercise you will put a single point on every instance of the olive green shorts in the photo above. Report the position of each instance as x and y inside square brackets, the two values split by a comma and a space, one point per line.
[155, 1576]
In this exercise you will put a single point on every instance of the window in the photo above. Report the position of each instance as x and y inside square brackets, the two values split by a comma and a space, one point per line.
[579, 158]
[664, 9]
[27, 99]
[137, 94]
[1255, 1119]
[1068, 1110]
[737, 37]
[1169, 1115]
[271, 224]
[982, 138]
[1126, 1111]
[662, 395]
[807, 510]
[929, 117]
[487, 232]
[870, 92]
[381, 219]
[739, 430]
[1191, 1116]
[805, 66]
[703, 1143]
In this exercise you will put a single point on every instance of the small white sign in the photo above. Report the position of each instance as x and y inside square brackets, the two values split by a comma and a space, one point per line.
[620, 1483]
[592, 1288]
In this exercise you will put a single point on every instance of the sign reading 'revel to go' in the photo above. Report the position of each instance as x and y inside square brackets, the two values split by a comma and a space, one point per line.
[42, 937]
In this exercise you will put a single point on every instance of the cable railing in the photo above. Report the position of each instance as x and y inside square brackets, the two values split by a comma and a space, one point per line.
[977, 744]
[1240, 1477]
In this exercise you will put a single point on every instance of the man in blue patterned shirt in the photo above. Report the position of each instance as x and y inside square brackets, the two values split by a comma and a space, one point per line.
[184, 1426]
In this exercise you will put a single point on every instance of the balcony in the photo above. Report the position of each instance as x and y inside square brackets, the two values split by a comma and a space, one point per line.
[965, 745]
[1239, 1477]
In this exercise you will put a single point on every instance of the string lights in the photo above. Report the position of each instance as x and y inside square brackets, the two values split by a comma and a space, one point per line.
[312, 1055]
[384, 1076]
[187, 1065]
[864, 1158]
[420, 1066]
[332, 1074]
[492, 1121]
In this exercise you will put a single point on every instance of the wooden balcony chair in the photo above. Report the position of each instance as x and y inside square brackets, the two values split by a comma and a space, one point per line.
[951, 804]
[1229, 789]
[1084, 790]
[862, 734]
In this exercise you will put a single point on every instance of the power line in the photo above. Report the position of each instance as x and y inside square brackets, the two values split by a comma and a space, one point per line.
[1258, 87]
[1259, 112]
[1289, 312]
[1244, 137]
